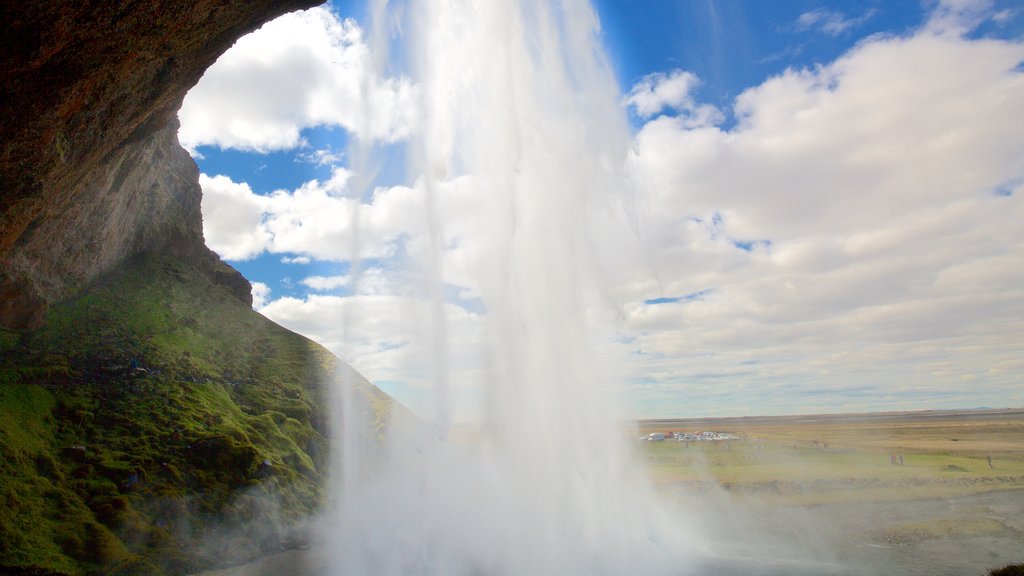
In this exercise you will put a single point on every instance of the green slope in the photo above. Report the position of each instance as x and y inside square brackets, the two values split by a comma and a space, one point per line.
[156, 424]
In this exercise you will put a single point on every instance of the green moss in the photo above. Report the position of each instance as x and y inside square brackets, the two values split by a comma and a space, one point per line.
[8, 339]
[30, 502]
[149, 410]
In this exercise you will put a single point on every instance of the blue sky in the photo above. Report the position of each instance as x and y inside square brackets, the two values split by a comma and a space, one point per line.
[734, 45]
[828, 196]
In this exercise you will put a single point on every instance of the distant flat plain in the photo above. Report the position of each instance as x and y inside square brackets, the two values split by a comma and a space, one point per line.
[934, 492]
[817, 459]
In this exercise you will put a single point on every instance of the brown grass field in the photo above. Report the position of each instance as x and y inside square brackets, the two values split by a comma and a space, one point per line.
[827, 458]
[826, 487]
[964, 432]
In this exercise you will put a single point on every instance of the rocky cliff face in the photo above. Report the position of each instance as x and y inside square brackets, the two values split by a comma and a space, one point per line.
[90, 169]
[144, 197]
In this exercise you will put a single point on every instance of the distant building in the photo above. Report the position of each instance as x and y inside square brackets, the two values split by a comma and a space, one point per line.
[704, 436]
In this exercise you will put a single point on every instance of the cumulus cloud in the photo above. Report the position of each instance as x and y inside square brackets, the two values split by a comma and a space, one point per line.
[233, 218]
[303, 69]
[314, 221]
[876, 133]
[260, 294]
[852, 243]
[661, 91]
[321, 220]
[855, 230]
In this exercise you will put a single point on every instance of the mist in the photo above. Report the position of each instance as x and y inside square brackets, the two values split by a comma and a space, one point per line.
[520, 109]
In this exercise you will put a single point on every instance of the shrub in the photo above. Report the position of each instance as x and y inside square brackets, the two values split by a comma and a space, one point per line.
[1012, 570]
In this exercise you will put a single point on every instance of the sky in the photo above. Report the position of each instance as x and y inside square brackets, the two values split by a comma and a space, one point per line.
[827, 202]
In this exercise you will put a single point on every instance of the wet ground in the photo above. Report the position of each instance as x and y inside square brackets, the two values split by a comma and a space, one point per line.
[962, 536]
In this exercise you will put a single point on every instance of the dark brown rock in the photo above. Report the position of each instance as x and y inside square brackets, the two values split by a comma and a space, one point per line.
[90, 169]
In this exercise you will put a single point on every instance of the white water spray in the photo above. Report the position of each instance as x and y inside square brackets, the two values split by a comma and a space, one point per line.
[521, 109]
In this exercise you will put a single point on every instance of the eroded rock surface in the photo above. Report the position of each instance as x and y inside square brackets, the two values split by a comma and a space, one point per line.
[90, 169]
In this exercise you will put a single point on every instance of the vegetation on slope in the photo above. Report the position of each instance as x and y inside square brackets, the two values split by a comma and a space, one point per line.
[155, 424]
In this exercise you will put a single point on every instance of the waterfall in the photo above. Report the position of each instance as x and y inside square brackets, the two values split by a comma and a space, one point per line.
[520, 112]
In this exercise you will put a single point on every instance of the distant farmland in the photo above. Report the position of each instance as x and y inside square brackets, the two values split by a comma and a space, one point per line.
[938, 493]
[826, 458]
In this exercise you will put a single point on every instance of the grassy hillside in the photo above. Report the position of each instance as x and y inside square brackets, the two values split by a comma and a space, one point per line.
[155, 425]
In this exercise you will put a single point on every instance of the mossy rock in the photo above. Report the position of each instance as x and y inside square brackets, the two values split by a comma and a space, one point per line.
[223, 455]
[155, 412]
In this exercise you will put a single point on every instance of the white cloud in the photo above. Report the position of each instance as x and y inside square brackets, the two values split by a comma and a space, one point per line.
[369, 281]
[886, 184]
[296, 259]
[1004, 16]
[830, 22]
[854, 239]
[660, 91]
[876, 133]
[312, 221]
[233, 218]
[260, 295]
[301, 70]
[321, 157]
[319, 220]
[325, 283]
[958, 17]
